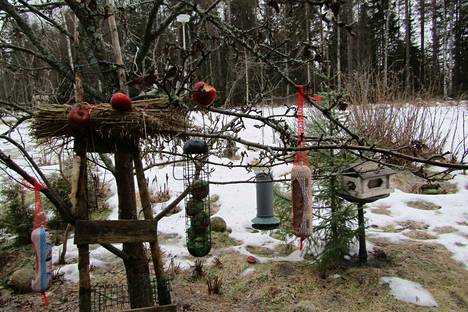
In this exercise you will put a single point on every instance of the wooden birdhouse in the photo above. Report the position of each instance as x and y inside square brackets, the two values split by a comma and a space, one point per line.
[365, 181]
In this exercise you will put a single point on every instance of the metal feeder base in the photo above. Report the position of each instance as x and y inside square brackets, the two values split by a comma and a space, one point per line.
[265, 223]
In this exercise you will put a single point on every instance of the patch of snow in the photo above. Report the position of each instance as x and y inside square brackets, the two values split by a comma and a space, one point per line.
[248, 271]
[70, 272]
[408, 291]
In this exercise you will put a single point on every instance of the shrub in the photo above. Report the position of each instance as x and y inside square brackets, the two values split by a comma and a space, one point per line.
[16, 211]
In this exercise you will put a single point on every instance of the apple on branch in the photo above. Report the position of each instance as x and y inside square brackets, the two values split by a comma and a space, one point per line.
[203, 94]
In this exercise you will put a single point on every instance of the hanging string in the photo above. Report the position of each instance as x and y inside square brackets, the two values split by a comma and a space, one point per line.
[45, 299]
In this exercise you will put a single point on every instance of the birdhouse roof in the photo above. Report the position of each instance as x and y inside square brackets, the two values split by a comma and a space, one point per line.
[368, 169]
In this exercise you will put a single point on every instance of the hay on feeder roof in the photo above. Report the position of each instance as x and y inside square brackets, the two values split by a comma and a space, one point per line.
[148, 118]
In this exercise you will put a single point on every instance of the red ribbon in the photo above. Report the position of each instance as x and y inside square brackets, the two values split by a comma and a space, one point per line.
[39, 213]
[301, 243]
[46, 300]
[300, 115]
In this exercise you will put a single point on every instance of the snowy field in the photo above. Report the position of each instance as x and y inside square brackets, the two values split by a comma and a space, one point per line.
[238, 206]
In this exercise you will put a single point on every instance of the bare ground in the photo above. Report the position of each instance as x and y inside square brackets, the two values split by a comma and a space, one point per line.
[284, 286]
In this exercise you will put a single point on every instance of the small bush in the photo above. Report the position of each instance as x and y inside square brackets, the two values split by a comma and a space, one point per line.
[16, 211]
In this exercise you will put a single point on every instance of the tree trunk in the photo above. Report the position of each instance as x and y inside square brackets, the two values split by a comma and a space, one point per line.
[246, 77]
[422, 14]
[82, 214]
[136, 266]
[407, 46]
[435, 40]
[444, 50]
[386, 33]
[338, 56]
[114, 34]
[164, 295]
[349, 38]
[307, 30]
[65, 241]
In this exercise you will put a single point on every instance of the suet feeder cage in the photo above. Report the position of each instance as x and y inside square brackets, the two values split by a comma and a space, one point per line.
[197, 202]
[365, 182]
[264, 219]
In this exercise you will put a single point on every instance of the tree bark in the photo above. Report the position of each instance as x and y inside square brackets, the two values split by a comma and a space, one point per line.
[349, 38]
[116, 46]
[435, 40]
[422, 16]
[407, 46]
[164, 295]
[136, 266]
[386, 34]
[338, 56]
[83, 214]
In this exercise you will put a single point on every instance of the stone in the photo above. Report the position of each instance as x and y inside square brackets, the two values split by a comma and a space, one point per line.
[21, 279]
[218, 224]
[5, 296]
[305, 306]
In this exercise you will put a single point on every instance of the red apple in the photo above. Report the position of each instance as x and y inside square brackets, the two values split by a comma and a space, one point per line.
[120, 101]
[79, 117]
[251, 259]
[203, 94]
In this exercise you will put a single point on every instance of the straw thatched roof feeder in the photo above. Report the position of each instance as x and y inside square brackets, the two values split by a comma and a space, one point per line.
[108, 127]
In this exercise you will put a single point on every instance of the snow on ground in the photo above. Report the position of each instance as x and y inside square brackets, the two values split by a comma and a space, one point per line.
[409, 291]
[238, 204]
[453, 213]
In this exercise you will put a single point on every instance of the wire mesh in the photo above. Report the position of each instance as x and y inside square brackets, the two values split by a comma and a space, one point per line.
[197, 204]
[116, 297]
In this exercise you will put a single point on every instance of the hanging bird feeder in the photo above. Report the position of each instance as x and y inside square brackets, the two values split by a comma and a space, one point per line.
[197, 202]
[301, 180]
[265, 219]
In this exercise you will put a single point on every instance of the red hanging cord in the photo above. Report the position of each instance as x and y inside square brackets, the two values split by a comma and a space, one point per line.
[39, 212]
[300, 115]
[46, 299]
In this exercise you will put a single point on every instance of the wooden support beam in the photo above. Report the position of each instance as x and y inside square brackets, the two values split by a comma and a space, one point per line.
[164, 295]
[114, 231]
[82, 213]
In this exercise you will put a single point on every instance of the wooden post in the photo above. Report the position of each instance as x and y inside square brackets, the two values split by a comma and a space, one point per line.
[362, 235]
[136, 266]
[164, 295]
[82, 214]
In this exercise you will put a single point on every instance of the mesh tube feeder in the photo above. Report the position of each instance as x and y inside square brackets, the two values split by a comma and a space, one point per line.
[197, 202]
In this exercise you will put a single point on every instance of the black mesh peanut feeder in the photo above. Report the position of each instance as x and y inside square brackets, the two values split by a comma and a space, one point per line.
[197, 202]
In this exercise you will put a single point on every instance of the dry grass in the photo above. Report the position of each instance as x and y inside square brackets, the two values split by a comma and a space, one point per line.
[391, 229]
[282, 286]
[413, 225]
[412, 130]
[445, 229]
[423, 205]
[417, 234]
[381, 211]
[148, 118]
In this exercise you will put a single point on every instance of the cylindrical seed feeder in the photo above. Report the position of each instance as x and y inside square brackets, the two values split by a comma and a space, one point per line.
[301, 179]
[197, 202]
[265, 219]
